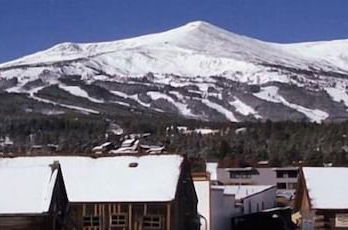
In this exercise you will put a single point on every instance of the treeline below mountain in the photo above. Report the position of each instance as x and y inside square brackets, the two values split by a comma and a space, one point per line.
[280, 143]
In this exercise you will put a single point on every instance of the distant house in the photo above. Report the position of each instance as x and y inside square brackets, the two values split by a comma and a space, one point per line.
[32, 197]
[321, 198]
[218, 204]
[126, 192]
[214, 207]
[251, 198]
[105, 147]
[285, 178]
[133, 147]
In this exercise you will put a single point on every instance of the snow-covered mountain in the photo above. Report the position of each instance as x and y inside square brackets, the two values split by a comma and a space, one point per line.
[197, 71]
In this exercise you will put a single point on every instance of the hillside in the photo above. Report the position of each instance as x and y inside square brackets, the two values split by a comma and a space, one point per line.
[196, 71]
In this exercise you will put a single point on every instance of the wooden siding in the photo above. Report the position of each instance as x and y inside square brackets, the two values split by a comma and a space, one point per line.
[134, 212]
[25, 223]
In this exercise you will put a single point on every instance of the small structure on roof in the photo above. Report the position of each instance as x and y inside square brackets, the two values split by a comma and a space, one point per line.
[321, 198]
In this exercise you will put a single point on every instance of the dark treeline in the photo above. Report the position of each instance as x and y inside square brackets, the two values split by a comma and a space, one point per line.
[282, 143]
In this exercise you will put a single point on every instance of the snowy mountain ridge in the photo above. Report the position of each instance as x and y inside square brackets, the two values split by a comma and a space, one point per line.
[197, 70]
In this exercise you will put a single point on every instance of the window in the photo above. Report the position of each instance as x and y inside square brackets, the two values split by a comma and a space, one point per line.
[281, 185]
[280, 174]
[240, 175]
[293, 174]
[287, 174]
[91, 221]
[152, 222]
[118, 220]
[292, 185]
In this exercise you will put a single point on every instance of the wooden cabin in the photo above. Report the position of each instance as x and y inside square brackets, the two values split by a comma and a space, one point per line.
[134, 193]
[321, 198]
[32, 197]
[151, 192]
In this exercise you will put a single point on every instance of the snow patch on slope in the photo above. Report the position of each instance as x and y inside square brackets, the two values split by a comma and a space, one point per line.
[338, 95]
[183, 108]
[243, 108]
[219, 108]
[270, 93]
[132, 97]
[77, 91]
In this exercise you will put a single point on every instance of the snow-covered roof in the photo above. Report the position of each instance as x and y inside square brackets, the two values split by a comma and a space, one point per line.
[130, 143]
[101, 147]
[114, 179]
[327, 187]
[26, 190]
[243, 191]
[211, 167]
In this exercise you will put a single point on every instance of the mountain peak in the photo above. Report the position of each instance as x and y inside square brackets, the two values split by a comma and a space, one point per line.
[200, 25]
[195, 24]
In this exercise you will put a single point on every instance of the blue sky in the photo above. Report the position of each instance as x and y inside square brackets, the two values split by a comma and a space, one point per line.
[27, 26]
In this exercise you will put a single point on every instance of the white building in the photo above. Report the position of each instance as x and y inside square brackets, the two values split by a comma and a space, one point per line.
[217, 204]
[252, 198]
[285, 179]
[214, 206]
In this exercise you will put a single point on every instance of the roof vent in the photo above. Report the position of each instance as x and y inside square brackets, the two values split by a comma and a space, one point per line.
[133, 165]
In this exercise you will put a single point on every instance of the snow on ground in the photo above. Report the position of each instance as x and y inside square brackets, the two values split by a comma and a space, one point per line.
[206, 131]
[338, 95]
[329, 195]
[26, 190]
[219, 108]
[334, 52]
[178, 95]
[132, 97]
[243, 108]
[270, 93]
[32, 95]
[194, 49]
[81, 109]
[77, 91]
[182, 108]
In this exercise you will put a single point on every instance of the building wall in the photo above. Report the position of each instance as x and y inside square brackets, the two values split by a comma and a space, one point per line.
[224, 177]
[331, 219]
[222, 209]
[203, 207]
[266, 176]
[25, 223]
[260, 201]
